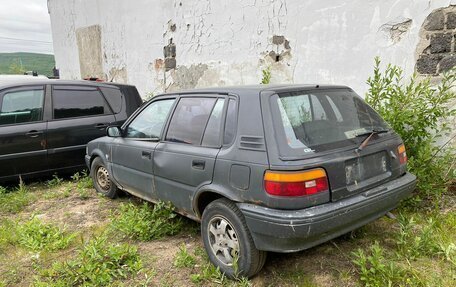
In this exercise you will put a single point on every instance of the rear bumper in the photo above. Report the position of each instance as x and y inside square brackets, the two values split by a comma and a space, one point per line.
[294, 230]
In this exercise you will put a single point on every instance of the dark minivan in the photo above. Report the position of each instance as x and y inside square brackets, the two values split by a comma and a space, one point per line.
[264, 168]
[46, 124]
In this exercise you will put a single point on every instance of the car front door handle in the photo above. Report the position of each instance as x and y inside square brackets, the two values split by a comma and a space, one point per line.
[146, 154]
[198, 164]
[101, 126]
[34, 134]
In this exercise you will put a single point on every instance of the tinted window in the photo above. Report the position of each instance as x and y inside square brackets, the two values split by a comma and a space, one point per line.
[22, 107]
[230, 124]
[114, 97]
[149, 123]
[189, 120]
[323, 120]
[78, 103]
[212, 132]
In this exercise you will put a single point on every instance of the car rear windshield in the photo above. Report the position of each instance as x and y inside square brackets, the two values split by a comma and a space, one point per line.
[319, 120]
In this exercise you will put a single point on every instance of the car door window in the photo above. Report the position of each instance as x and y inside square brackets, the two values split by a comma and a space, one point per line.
[22, 106]
[189, 120]
[149, 123]
[230, 122]
[72, 103]
[212, 133]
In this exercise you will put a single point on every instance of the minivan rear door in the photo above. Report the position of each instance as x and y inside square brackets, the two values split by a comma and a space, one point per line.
[185, 160]
[79, 115]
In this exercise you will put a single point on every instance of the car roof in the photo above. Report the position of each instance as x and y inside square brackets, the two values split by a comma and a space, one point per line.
[256, 89]
[7, 82]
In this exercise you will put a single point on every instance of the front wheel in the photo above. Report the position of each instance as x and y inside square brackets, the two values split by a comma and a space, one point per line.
[102, 179]
[228, 242]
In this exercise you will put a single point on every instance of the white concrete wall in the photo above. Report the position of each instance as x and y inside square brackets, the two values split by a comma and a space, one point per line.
[331, 41]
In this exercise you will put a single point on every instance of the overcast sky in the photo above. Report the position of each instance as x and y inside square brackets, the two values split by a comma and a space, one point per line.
[25, 26]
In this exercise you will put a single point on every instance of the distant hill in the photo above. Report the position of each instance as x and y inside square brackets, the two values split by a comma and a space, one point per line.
[16, 63]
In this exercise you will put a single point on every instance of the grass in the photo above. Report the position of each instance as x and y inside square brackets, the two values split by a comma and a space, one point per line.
[14, 201]
[183, 258]
[36, 235]
[145, 222]
[98, 263]
[130, 245]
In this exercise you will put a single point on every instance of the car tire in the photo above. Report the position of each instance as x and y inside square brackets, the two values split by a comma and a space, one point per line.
[223, 229]
[102, 179]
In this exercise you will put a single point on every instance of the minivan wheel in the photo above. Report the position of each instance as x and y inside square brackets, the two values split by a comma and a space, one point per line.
[102, 179]
[228, 242]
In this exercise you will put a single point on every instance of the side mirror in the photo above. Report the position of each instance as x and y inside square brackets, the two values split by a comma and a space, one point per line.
[113, 131]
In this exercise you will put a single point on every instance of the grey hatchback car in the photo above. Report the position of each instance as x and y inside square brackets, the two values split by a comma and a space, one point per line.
[264, 168]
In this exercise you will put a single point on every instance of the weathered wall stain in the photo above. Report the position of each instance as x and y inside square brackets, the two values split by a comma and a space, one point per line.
[396, 30]
[187, 77]
[301, 41]
[90, 54]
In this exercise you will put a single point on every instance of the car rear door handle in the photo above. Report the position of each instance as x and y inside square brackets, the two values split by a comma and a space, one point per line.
[198, 164]
[101, 126]
[146, 154]
[33, 133]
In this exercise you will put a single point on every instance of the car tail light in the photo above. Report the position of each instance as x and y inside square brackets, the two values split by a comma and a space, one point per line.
[402, 154]
[281, 183]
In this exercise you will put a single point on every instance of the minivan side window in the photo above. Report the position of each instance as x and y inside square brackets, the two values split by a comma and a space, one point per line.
[149, 123]
[22, 107]
[72, 103]
[189, 120]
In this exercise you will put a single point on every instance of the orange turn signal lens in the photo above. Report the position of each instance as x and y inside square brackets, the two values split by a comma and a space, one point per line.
[402, 154]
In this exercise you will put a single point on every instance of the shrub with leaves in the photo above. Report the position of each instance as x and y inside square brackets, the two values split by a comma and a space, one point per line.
[145, 222]
[98, 263]
[421, 114]
[266, 79]
[375, 270]
[36, 235]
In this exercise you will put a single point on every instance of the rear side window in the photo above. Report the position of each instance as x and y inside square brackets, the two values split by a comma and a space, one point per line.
[72, 103]
[212, 134]
[22, 106]
[114, 97]
[230, 123]
[189, 120]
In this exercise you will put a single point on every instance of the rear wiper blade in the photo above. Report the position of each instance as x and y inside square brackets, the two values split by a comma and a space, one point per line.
[371, 133]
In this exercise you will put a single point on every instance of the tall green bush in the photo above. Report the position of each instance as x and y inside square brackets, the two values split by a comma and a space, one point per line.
[422, 114]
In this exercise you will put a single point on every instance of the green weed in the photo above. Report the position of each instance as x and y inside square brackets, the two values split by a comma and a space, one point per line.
[183, 258]
[145, 223]
[55, 181]
[266, 79]
[209, 273]
[421, 114]
[16, 200]
[98, 263]
[83, 184]
[376, 270]
[36, 235]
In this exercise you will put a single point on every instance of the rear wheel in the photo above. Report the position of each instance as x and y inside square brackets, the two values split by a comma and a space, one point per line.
[228, 242]
[102, 179]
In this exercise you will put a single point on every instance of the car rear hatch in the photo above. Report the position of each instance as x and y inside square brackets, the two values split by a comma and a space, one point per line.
[332, 129]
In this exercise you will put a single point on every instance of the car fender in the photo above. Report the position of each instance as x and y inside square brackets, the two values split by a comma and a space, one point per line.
[213, 188]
